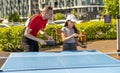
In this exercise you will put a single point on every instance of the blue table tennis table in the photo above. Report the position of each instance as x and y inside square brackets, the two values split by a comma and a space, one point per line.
[88, 61]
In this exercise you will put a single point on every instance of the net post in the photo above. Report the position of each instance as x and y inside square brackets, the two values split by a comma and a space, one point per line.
[118, 34]
[1, 70]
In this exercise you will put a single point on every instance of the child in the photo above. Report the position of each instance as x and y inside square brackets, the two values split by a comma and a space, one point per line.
[69, 34]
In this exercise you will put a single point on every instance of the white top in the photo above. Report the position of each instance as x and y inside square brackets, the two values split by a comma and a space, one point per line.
[68, 33]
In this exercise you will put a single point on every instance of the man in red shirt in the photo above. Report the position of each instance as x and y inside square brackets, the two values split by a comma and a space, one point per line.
[36, 24]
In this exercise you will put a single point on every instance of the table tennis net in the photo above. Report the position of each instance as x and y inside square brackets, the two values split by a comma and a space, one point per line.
[64, 60]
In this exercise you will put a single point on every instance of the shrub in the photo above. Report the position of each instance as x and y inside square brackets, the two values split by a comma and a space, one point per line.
[97, 30]
[58, 16]
[14, 17]
[10, 38]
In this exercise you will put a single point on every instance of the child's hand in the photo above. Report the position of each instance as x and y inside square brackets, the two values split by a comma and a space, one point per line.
[75, 35]
[83, 46]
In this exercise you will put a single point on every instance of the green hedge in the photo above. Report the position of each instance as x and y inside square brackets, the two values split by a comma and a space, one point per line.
[98, 30]
[10, 38]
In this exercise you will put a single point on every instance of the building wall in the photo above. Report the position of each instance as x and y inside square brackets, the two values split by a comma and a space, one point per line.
[68, 3]
[30, 7]
[11, 6]
[34, 7]
[23, 7]
[86, 8]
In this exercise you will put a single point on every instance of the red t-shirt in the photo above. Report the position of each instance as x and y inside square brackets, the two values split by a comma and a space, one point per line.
[36, 24]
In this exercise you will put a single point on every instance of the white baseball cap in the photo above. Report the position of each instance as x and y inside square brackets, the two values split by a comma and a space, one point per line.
[71, 17]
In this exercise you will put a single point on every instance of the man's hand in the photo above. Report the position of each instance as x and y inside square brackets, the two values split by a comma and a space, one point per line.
[42, 42]
[50, 38]
[46, 35]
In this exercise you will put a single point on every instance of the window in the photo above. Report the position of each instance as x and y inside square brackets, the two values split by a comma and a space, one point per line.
[36, 1]
[37, 5]
[95, 9]
[48, 2]
[98, 2]
[42, 1]
[43, 5]
[68, 3]
[55, 3]
[72, 3]
[76, 2]
[92, 1]
[83, 2]
[61, 4]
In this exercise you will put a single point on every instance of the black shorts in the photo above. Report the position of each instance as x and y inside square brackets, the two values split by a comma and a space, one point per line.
[28, 44]
[69, 47]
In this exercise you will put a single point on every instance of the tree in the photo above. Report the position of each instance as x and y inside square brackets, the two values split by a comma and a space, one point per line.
[58, 16]
[111, 7]
[14, 17]
[74, 13]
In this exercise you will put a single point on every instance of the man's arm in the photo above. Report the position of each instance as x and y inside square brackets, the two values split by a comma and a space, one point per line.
[45, 34]
[28, 35]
